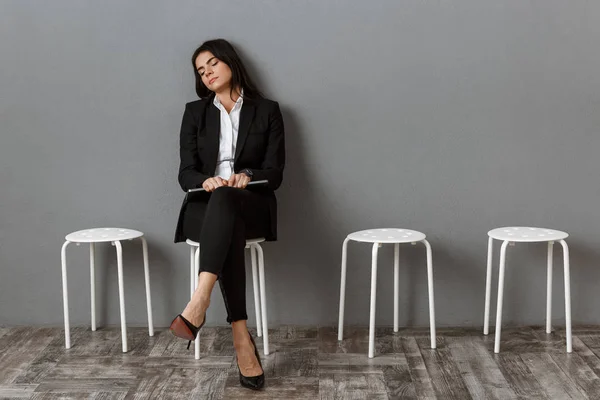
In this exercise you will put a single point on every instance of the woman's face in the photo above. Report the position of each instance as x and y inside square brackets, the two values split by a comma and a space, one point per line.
[215, 74]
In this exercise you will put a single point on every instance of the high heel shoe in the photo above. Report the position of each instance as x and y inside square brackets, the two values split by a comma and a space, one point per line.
[253, 382]
[183, 328]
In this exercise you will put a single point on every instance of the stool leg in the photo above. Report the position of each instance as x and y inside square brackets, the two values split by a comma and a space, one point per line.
[567, 295]
[263, 298]
[192, 277]
[147, 279]
[431, 294]
[196, 273]
[488, 287]
[500, 296]
[373, 298]
[343, 290]
[256, 287]
[93, 284]
[396, 283]
[117, 244]
[549, 290]
[63, 259]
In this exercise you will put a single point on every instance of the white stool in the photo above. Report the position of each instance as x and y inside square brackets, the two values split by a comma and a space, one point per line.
[100, 235]
[379, 237]
[510, 235]
[259, 306]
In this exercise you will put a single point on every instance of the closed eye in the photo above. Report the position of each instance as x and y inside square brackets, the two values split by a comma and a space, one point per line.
[214, 64]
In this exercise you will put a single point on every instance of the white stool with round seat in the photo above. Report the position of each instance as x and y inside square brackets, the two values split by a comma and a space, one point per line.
[512, 235]
[104, 235]
[379, 237]
[259, 304]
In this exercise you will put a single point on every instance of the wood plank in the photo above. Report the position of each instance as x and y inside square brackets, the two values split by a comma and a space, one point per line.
[292, 388]
[417, 369]
[333, 360]
[107, 396]
[148, 382]
[589, 355]
[210, 385]
[61, 396]
[291, 337]
[4, 331]
[398, 382]
[217, 362]
[519, 377]
[444, 373]
[352, 386]
[479, 370]
[552, 379]
[43, 363]
[577, 369]
[294, 363]
[87, 385]
[20, 348]
[356, 340]
[17, 391]
[186, 383]
[519, 341]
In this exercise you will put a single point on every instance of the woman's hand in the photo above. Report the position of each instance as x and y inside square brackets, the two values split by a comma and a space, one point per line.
[213, 183]
[239, 181]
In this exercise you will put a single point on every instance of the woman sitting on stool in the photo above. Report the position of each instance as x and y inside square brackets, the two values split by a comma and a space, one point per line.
[230, 137]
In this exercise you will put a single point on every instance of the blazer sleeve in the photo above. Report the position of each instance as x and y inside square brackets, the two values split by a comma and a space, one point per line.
[274, 160]
[190, 176]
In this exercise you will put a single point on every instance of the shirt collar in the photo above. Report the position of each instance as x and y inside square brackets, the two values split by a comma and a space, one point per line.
[237, 104]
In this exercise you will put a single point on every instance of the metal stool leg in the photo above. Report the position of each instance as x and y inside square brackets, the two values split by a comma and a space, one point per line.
[343, 289]
[196, 273]
[500, 297]
[93, 284]
[396, 283]
[147, 280]
[488, 287]
[373, 298]
[549, 289]
[567, 295]
[117, 244]
[263, 298]
[256, 287]
[431, 294]
[65, 294]
[192, 280]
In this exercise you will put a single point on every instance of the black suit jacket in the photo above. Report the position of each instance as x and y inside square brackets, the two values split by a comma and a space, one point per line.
[260, 147]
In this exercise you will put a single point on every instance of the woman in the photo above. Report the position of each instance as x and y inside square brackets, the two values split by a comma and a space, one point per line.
[229, 138]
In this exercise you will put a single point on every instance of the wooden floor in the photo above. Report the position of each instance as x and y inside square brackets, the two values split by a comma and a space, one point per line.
[305, 363]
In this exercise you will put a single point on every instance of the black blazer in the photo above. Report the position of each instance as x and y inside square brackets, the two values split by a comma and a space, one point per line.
[260, 147]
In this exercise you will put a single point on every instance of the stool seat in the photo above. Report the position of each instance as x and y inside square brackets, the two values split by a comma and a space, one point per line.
[98, 235]
[527, 234]
[248, 242]
[387, 235]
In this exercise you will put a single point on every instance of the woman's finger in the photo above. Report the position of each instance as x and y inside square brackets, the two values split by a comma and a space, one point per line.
[242, 181]
[235, 180]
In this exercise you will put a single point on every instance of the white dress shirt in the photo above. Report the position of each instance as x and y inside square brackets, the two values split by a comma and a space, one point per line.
[230, 123]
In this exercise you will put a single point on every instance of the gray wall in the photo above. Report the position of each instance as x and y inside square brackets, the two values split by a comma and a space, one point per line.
[449, 117]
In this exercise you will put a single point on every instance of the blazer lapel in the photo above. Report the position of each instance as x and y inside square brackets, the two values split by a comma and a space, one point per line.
[246, 117]
[213, 132]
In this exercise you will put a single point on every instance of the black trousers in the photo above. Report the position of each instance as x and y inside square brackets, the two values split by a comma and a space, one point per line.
[221, 222]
